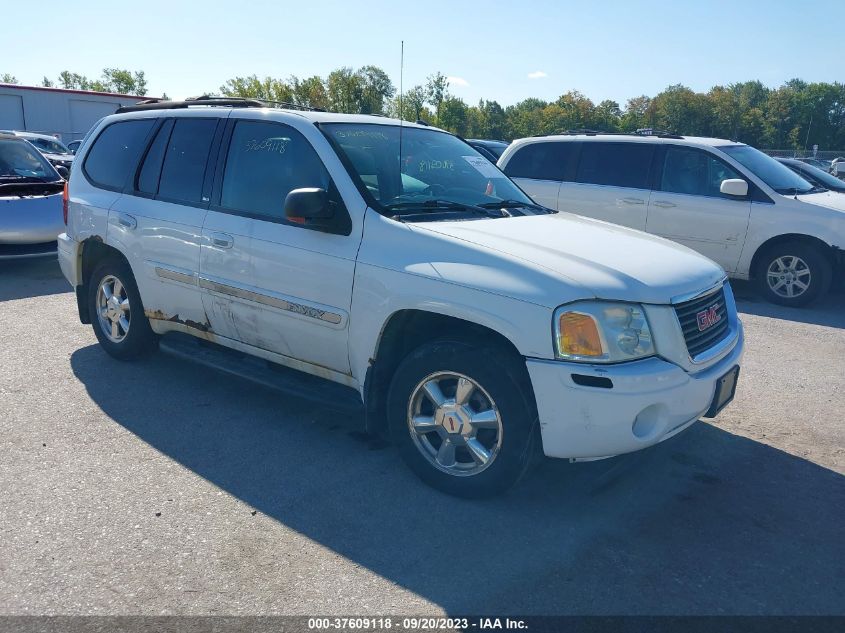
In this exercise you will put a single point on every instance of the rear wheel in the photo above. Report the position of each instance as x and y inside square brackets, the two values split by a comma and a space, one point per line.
[461, 417]
[793, 274]
[117, 312]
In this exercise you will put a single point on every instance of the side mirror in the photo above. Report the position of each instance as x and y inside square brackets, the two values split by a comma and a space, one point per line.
[63, 172]
[735, 187]
[306, 204]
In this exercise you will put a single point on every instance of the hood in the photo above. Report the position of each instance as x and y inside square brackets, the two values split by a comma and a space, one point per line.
[829, 199]
[606, 260]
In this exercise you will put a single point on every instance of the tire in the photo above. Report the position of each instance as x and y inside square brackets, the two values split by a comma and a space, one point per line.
[786, 268]
[123, 331]
[495, 392]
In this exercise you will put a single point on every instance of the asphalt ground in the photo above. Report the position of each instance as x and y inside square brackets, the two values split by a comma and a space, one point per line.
[163, 487]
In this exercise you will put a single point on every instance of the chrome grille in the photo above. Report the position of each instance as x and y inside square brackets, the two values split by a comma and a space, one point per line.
[700, 340]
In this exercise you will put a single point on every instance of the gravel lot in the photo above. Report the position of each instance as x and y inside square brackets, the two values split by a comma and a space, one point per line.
[163, 487]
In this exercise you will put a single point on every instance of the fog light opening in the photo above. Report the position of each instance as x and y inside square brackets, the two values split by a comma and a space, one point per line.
[647, 422]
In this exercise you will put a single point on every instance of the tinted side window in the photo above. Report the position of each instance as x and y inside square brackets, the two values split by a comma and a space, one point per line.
[693, 172]
[541, 161]
[151, 167]
[264, 163]
[116, 151]
[616, 164]
[184, 163]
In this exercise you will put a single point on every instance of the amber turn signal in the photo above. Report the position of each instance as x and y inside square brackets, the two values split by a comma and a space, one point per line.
[578, 335]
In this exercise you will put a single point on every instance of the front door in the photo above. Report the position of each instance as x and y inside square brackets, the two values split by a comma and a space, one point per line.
[268, 282]
[687, 206]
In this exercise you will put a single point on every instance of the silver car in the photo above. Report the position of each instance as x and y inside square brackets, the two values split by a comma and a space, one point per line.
[31, 215]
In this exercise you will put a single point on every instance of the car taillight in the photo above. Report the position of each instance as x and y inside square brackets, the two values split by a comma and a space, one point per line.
[64, 203]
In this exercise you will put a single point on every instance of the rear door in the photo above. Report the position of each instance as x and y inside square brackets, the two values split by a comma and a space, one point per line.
[269, 282]
[539, 168]
[159, 219]
[612, 182]
[687, 206]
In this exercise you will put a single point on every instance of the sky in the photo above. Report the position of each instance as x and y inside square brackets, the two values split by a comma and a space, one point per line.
[503, 51]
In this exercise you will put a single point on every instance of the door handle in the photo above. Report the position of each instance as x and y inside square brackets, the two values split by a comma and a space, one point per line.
[633, 200]
[663, 204]
[222, 240]
[126, 220]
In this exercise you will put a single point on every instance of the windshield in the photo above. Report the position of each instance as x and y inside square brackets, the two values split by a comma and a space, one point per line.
[18, 159]
[777, 175]
[48, 146]
[434, 167]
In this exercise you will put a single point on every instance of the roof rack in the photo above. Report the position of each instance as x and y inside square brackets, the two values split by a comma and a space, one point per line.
[208, 100]
[588, 132]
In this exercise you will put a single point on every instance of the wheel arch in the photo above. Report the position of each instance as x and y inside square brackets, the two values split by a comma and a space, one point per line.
[404, 331]
[93, 250]
[831, 253]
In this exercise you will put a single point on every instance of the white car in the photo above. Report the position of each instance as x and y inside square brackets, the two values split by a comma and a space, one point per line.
[741, 208]
[396, 261]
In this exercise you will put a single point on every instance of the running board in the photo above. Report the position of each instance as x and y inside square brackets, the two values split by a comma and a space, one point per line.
[298, 384]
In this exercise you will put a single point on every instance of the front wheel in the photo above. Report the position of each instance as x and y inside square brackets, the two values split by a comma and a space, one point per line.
[793, 274]
[463, 418]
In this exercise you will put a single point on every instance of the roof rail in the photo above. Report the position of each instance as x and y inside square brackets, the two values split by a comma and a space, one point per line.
[208, 100]
[647, 131]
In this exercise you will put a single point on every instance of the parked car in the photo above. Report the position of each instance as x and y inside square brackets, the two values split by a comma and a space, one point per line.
[749, 213]
[52, 148]
[30, 201]
[73, 146]
[471, 323]
[816, 162]
[491, 150]
[814, 175]
[837, 167]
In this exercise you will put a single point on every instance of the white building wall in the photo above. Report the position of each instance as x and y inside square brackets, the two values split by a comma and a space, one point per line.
[69, 114]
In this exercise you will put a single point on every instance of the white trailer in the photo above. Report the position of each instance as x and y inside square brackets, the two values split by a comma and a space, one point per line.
[66, 114]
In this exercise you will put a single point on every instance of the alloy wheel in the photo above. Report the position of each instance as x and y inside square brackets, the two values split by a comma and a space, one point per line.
[113, 312]
[455, 423]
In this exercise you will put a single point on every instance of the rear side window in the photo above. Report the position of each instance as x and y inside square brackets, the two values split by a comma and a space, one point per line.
[616, 164]
[115, 152]
[266, 161]
[693, 172]
[183, 171]
[541, 161]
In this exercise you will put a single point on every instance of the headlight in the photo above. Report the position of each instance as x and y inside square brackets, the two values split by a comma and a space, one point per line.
[602, 332]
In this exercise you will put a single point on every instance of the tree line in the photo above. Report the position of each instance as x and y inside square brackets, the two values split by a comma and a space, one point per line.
[796, 115]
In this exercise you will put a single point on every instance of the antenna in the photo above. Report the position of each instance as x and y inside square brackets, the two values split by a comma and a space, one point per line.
[401, 104]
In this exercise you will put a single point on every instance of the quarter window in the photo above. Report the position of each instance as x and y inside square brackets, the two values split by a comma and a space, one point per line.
[266, 161]
[616, 164]
[541, 161]
[694, 172]
[116, 151]
[183, 171]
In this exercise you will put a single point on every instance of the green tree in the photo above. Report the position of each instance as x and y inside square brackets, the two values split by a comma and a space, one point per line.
[7, 78]
[454, 115]
[309, 92]
[436, 90]
[252, 87]
[376, 89]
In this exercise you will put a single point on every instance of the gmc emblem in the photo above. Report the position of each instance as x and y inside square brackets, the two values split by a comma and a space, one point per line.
[708, 318]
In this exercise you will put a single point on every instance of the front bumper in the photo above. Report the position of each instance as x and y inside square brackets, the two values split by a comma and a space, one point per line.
[650, 401]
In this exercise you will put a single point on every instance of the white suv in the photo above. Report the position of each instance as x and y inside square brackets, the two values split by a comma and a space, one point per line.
[395, 260]
[741, 208]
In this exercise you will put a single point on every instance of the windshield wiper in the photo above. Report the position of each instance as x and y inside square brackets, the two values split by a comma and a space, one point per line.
[441, 205]
[513, 204]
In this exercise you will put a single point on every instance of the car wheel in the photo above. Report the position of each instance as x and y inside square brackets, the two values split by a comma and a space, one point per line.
[117, 312]
[462, 417]
[793, 274]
